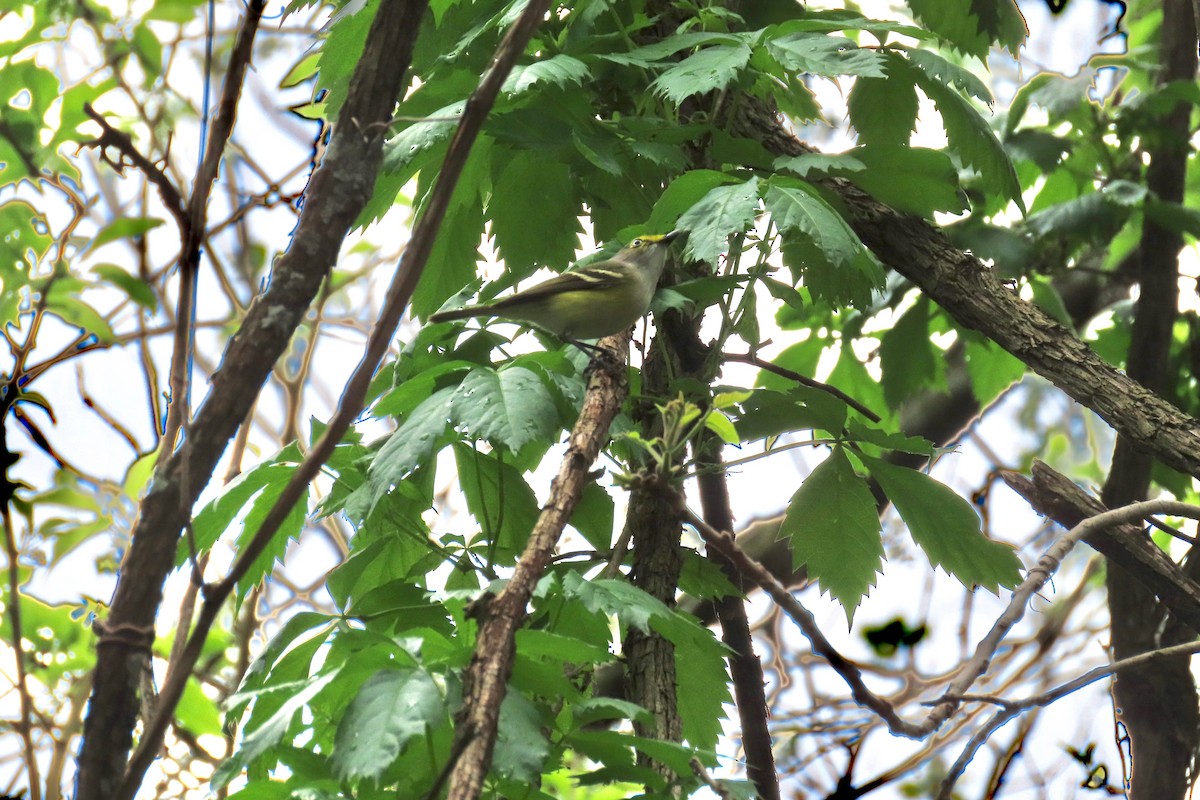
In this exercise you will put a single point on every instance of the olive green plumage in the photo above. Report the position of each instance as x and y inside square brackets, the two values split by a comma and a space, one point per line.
[596, 301]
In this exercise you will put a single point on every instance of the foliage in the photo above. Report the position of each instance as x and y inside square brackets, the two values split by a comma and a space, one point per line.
[617, 120]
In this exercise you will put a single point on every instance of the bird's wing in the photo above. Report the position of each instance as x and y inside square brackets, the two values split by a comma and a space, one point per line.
[588, 278]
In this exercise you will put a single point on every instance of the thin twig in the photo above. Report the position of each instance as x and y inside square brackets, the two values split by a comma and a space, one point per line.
[1011, 708]
[1037, 578]
[803, 380]
[110, 136]
[18, 642]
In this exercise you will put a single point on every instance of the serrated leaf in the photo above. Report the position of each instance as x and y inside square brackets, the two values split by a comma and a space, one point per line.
[722, 212]
[558, 70]
[821, 54]
[412, 444]
[271, 731]
[972, 140]
[499, 498]
[972, 26]
[946, 527]
[705, 71]
[532, 186]
[684, 192]
[394, 708]
[649, 54]
[908, 359]
[950, 74]
[832, 525]
[768, 413]
[402, 150]
[820, 163]
[820, 246]
[521, 744]
[510, 407]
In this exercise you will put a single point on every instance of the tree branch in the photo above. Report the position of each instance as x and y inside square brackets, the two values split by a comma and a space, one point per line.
[338, 190]
[976, 299]
[485, 681]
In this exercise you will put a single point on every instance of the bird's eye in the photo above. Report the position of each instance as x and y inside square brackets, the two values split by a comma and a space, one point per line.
[637, 243]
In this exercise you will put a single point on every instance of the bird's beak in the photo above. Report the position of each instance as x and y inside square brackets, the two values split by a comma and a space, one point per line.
[670, 237]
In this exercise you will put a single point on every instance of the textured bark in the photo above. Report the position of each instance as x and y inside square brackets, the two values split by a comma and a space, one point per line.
[744, 666]
[975, 298]
[336, 193]
[1062, 500]
[485, 681]
[1157, 701]
[654, 530]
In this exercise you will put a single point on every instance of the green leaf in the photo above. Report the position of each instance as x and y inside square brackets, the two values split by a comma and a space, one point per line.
[972, 26]
[820, 163]
[533, 187]
[593, 516]
[832, 525]
[452, 262]
[271, 731]
[413, 443]
[820, 54]
[393, 708]
[722, 212]
[884, 110]
[972, 139]
[594, 709]
[820, 247]
[909, 360]
[649, 54]
[139, 291]
[992, 369]
[510, 407]
[499, 499]
[951, 75]
[946, 527]
[558, 70]
[124, 228]
[768, 413]
[684, 192]
[521, 744]
[910, 179]
[196, 712]
[707, 70]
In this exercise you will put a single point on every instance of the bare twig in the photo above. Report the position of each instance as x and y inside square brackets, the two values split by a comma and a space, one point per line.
[193, 232]
[18, 643]
[783, 372]
[1012, 708]
[111, 137]
[984, 651]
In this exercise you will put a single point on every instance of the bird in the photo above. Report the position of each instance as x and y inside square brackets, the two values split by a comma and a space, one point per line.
[589, 303]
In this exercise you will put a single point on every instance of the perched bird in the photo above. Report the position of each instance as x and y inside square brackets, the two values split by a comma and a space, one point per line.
[589, 303]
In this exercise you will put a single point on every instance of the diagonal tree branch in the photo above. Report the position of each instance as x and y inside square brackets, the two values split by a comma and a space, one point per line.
[338, 190]
[976, 299]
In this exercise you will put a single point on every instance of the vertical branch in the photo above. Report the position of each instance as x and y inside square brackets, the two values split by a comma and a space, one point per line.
[18, 645]
[744, 666]
[196, 216]
[337, 192]
[485, 681]
[1156, 701]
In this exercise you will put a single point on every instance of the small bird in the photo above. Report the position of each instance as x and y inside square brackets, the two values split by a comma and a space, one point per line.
[596, 301]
